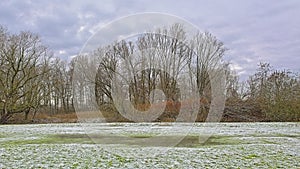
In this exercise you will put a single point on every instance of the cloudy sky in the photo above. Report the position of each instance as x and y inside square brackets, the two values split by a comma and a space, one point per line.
[253, 30]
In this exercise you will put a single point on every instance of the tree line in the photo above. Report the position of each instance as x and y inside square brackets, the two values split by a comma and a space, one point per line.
[33, 81]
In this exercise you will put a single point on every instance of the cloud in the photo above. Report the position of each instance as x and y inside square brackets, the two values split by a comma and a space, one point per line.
[253, 30]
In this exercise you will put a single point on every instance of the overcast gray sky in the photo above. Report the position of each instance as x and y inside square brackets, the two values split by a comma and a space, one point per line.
[253, 30]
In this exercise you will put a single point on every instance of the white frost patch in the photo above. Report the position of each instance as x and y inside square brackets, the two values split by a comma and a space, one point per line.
[266, 145]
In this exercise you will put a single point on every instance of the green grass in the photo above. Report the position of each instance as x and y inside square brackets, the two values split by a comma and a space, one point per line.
[146, 139]
[287, 135]
[141, 135]
[2, 136]
[52, 139]
[193, 141]
[275, 135]
[137, 139]
[251, 156]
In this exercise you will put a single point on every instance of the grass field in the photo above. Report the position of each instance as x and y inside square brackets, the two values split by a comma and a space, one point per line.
[150, 145]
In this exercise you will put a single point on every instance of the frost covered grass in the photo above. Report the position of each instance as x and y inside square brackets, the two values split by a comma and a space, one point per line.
[235, 145]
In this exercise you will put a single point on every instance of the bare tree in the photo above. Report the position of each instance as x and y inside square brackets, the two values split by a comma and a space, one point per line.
[275, 92]
[209, 52]
[157, 61]
[23, 58]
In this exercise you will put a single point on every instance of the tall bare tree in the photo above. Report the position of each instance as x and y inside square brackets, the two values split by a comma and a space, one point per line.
[23, 59]
[157, 61]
